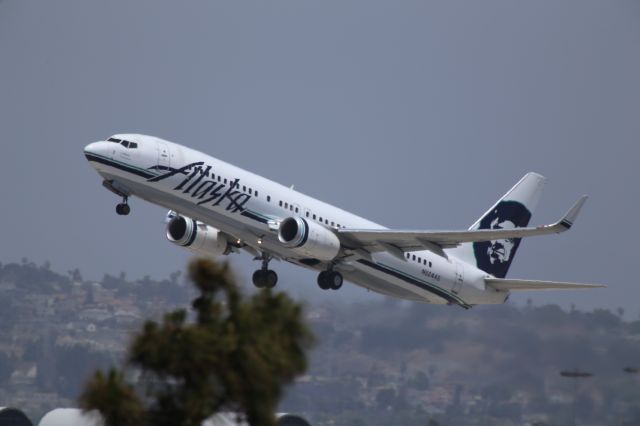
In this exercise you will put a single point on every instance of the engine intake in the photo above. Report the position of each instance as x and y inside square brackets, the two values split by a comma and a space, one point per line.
[308, 239]
[197, 236]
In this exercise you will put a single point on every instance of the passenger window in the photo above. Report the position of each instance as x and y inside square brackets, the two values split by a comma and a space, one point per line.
[286, 205]
[307, 214]
[256, 193]
[332, 223]
[225, 180]
[296, 210]
[244, 188]
[291, 207]
[219, 178]
[326, 221]
[419, 260]
[413, 257]
[430, 264]
[280, 203]
[250, 191]
[408, 255]
[268, 198]
[314, 216]
[320, 219]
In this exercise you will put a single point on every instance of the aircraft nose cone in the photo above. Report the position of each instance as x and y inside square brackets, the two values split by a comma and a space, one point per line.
[90, 148]
[95, 148]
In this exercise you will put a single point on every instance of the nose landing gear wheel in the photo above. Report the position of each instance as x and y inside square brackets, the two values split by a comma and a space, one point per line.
[123, 209]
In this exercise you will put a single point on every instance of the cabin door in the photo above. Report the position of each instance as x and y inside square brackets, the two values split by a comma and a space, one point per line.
[164, 161]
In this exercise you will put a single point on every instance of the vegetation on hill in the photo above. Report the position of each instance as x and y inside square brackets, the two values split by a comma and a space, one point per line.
[236, 355]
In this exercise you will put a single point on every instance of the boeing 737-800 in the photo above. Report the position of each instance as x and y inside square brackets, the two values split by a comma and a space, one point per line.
[217, 208]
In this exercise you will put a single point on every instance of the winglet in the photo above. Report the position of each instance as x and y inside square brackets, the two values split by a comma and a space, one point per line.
[572, 214]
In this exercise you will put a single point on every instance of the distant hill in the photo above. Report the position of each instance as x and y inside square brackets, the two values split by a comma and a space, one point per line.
[377, 363]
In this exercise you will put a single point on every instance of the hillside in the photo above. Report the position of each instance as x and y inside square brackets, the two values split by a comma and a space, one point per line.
[375, 364]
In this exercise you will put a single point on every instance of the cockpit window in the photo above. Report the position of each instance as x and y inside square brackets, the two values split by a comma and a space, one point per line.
[126, 144]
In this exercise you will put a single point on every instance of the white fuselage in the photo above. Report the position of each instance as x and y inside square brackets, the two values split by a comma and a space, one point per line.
[157, 171]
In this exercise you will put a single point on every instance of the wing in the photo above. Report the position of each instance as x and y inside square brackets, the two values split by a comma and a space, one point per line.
[398, 242]
[524, 285]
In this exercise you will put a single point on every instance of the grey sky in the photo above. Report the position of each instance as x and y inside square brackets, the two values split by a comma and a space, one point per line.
[414, 114]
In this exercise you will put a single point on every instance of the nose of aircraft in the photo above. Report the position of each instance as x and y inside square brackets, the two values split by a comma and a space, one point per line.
[96, 148]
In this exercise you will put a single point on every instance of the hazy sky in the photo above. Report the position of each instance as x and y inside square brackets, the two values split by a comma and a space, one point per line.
[415, 114]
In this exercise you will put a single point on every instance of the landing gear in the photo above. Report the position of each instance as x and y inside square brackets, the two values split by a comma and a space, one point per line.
[123, 208]
[330, 280]
[265, 277]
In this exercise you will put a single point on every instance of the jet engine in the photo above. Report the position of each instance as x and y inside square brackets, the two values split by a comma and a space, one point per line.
[197, 236]
[308, 239]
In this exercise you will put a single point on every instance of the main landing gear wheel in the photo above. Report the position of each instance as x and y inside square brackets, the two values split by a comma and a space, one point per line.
[330, 280]
[123, 208]
[265, 278]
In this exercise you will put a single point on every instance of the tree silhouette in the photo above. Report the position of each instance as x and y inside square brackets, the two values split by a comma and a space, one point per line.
[235, 354]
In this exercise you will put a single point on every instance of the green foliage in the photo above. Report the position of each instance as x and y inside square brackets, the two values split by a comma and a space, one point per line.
[237, 355]
[115, 399]
[29, 277]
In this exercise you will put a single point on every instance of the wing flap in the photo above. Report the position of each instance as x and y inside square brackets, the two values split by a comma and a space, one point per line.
[527, 285]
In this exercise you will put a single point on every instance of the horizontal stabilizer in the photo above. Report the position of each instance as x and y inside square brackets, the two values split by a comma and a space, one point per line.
[527, 285]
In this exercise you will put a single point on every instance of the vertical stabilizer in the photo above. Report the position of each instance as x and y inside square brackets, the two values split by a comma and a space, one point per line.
[513, 210]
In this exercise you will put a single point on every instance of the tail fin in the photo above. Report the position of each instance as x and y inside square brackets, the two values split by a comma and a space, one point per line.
[513, 210]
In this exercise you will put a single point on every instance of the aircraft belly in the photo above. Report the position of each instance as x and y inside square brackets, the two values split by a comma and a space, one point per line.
[381, 286]
[383, 283]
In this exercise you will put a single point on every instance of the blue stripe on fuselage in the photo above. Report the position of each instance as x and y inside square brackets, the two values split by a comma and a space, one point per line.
[422, 285]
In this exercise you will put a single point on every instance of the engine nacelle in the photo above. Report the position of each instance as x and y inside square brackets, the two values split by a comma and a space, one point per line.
[197, 236]
[308, 238]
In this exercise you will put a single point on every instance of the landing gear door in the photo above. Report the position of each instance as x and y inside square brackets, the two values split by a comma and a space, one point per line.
[164, 158]
[459, 278]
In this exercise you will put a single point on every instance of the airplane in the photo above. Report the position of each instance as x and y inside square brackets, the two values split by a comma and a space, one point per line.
[216, 208]
[575, 374]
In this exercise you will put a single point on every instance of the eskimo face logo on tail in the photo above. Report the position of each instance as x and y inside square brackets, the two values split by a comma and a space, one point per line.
[200, 184]
[495, 256]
